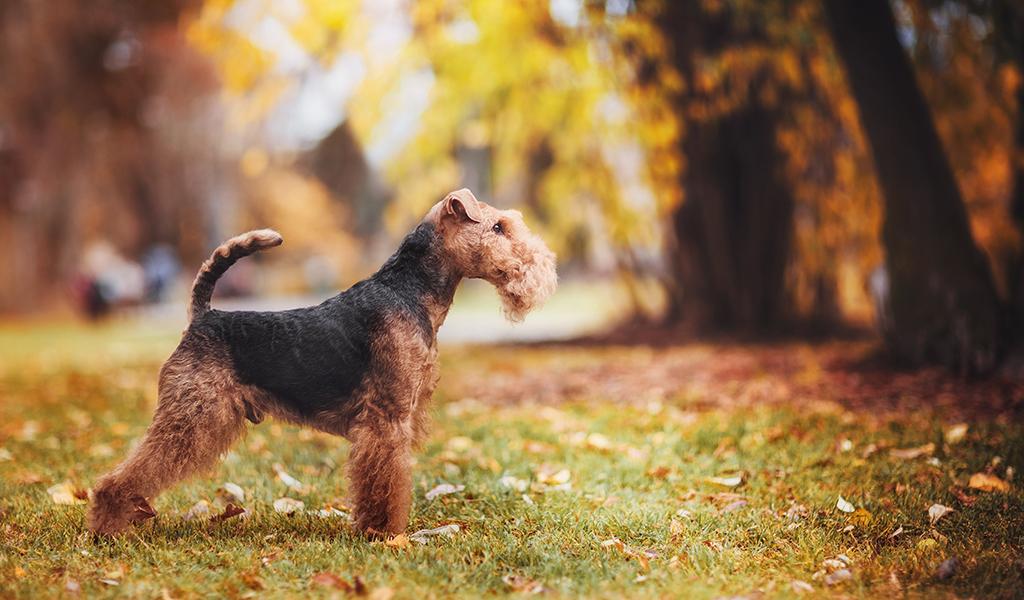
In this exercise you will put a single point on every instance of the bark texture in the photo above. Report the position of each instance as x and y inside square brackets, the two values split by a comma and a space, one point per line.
[943, 302]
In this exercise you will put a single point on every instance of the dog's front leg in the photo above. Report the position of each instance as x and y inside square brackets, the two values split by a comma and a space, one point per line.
[380, 476]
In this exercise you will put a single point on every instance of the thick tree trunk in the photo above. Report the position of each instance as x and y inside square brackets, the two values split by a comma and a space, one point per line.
[1016, 274]
[943, 302]
[734, 229]
[731, 237]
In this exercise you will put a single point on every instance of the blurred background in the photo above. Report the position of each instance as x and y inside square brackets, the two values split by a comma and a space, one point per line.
[703, 167]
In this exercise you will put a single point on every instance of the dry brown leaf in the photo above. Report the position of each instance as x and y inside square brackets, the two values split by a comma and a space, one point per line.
[230, 511]
[331, 580]
[400, 541]
[961, 494]
[660, 472]
[988, 483]
[912, 453]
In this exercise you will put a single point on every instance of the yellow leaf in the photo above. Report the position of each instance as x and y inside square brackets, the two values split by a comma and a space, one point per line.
[956, 433]
[988, 483]
[399, 541]
[861, 517]
[731, 481]
[64, 493]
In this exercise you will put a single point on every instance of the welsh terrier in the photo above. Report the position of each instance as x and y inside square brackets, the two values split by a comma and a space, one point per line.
[362, 364]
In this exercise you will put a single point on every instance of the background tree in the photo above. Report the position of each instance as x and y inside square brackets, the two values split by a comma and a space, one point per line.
[943, 301]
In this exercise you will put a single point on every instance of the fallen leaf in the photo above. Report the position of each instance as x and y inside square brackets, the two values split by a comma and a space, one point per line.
[444, 489]
[423, 535]
[231, 493]
[252, 580]
[988, 483]
[597, 441]
[947, 568]
[331, 580]
[956, 433]
[199, 510]
[459, 443]
[861, 517]
[399, 541]
[927, 545]
[230, 511]
[801, 587]
[961, 494]
[676, 527]
[912, 453]
[514, 483]
[843, 505]
[683, 513]
[660, 472]
[898, 531]
[796, 512]
[65, 493]
[550, 475]
[733, 506]
[937, 511]
[19, 572]
[837, 577]
[288, 505]
[288, 480]
[5, 455]
[641, 556]
[523, 585]
[730, 481]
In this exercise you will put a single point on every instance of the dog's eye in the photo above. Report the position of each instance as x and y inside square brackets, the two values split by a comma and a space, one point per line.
[498, 229]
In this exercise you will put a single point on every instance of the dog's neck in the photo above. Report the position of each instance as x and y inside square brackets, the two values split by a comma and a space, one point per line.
[419, 274]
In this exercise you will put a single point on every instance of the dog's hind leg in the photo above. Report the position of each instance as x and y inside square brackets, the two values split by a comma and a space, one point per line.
[198, 417]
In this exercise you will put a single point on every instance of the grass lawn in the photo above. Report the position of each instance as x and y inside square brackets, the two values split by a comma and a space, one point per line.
[698, 471]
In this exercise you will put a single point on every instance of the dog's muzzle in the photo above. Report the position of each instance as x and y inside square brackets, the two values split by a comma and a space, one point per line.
[530, 283]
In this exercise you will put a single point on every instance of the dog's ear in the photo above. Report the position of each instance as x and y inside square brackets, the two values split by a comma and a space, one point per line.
[463, 205]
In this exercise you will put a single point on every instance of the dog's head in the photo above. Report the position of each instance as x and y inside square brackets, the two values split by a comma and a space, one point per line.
[483, 242]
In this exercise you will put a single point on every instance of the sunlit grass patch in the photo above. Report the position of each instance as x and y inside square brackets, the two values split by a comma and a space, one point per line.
[664, 497]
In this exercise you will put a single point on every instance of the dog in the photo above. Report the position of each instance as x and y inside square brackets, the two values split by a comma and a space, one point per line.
[362, 364]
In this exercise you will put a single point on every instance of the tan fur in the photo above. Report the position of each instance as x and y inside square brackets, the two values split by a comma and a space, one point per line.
[518, 263]
[203, 407]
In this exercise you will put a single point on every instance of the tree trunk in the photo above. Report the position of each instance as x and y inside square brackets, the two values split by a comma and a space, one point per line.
[733, 231]
[943, 302]
[731, 236]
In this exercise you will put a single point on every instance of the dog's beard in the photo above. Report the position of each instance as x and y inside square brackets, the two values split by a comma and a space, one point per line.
[528, 285]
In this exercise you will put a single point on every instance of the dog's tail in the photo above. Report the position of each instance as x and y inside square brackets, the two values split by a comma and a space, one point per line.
[222, 258]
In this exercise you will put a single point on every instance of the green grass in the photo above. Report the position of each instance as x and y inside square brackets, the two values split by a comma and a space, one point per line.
[74, 400]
